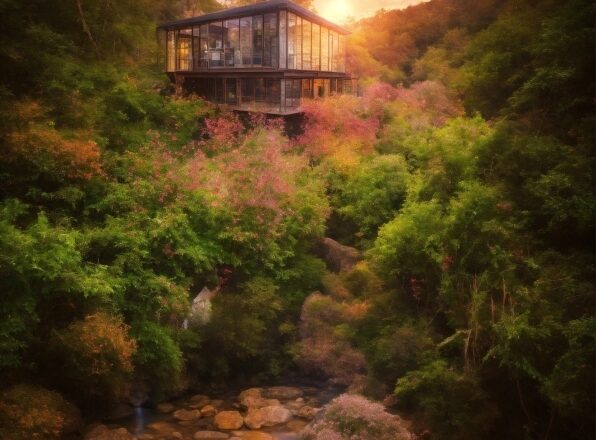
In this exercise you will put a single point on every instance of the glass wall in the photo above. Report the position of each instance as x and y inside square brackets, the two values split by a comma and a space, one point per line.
[324, 49]
[231, 42]
[271, 43]
[276, 40]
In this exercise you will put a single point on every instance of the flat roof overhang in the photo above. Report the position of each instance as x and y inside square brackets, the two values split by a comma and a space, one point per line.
[258, 8]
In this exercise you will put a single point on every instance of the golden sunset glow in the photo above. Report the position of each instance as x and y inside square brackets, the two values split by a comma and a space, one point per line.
[340, 11]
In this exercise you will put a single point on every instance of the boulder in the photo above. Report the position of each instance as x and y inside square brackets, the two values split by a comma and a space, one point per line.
[187, 414]
[283, 393]
[210, 435]
[296, 425]
[165, 408]
[208, 411]
[339, 258]
[267, 416]
[253, 398]
[102, 432]
[308, 412]
[228, 420]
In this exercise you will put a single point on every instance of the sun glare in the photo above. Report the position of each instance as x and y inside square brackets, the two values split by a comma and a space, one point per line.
[335, 10]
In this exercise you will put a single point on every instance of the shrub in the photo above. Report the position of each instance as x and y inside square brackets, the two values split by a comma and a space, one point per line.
[451, 404]
[353, 417]
[158, 358]
[29, 412]
[98, 355]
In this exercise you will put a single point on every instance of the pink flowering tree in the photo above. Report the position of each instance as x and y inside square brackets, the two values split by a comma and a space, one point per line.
[353, 417]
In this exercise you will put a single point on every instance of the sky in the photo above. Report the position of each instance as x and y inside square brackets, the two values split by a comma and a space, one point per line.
[339, 11]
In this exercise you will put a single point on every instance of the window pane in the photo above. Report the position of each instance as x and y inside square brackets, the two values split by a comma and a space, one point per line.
[306, 45]
[316, 47]
[246, 40]
[306, 89]
[291, 41]
[205, 47]
[282, 40]
[257, 40]
[183, 49]
[231, 95]
[324, 49]
[196, 47]
[335, 52]
[247, 86]
[232, 42]
[216, 53]
[171, 48]
[271, 43]
[342, 54]
[260, 90]
[299, 43]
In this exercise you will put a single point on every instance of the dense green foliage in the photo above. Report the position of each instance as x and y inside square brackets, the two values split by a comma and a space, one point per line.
[469, 192]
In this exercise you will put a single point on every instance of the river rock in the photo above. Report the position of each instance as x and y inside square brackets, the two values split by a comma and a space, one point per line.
[253, 398]
[228, 420]
[257, 435]
[102, 432]
[165, 408]
[163, 428]
[216, 403]
[208, 411]
[283, 393]
[210, 435]
[267, 416]
[186, 415]
[308, 412]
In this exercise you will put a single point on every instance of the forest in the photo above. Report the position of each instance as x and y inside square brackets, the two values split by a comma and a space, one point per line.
[460, 183]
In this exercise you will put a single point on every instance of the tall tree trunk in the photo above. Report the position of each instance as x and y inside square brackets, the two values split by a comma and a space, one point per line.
[86, 28]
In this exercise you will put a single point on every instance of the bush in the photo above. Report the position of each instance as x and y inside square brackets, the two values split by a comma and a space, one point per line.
[158, 359]
[29, 412]
[451, 404]
[353, 417]
[97, 355]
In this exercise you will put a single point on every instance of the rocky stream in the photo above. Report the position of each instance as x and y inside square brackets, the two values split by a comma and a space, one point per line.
[268, 413]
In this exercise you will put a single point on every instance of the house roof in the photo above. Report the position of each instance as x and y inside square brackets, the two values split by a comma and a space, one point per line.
[257, 8]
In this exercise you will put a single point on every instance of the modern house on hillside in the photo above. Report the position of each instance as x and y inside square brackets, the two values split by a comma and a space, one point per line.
[264, 57]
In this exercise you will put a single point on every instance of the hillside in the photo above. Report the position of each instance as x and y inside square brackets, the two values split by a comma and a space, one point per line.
[428, 245]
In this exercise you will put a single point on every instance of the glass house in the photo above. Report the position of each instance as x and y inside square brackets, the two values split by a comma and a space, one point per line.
[266, 57]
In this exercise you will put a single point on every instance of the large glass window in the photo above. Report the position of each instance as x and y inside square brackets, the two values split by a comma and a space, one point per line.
[247, 90]
[204, 48]
[171, 48]
[299, 43]
[282, 40]
[324, 49]
[292, 92]
[231, 92]
[232, 42]
[260, 92]
[216, 52]
[336, 55]
[292, 41]
[342, 54]
[306, 45]
[246, 40]
[271, 43]
[316, 47]
[183, 49]
[307, 89]
[196, 47]
[257, 40]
